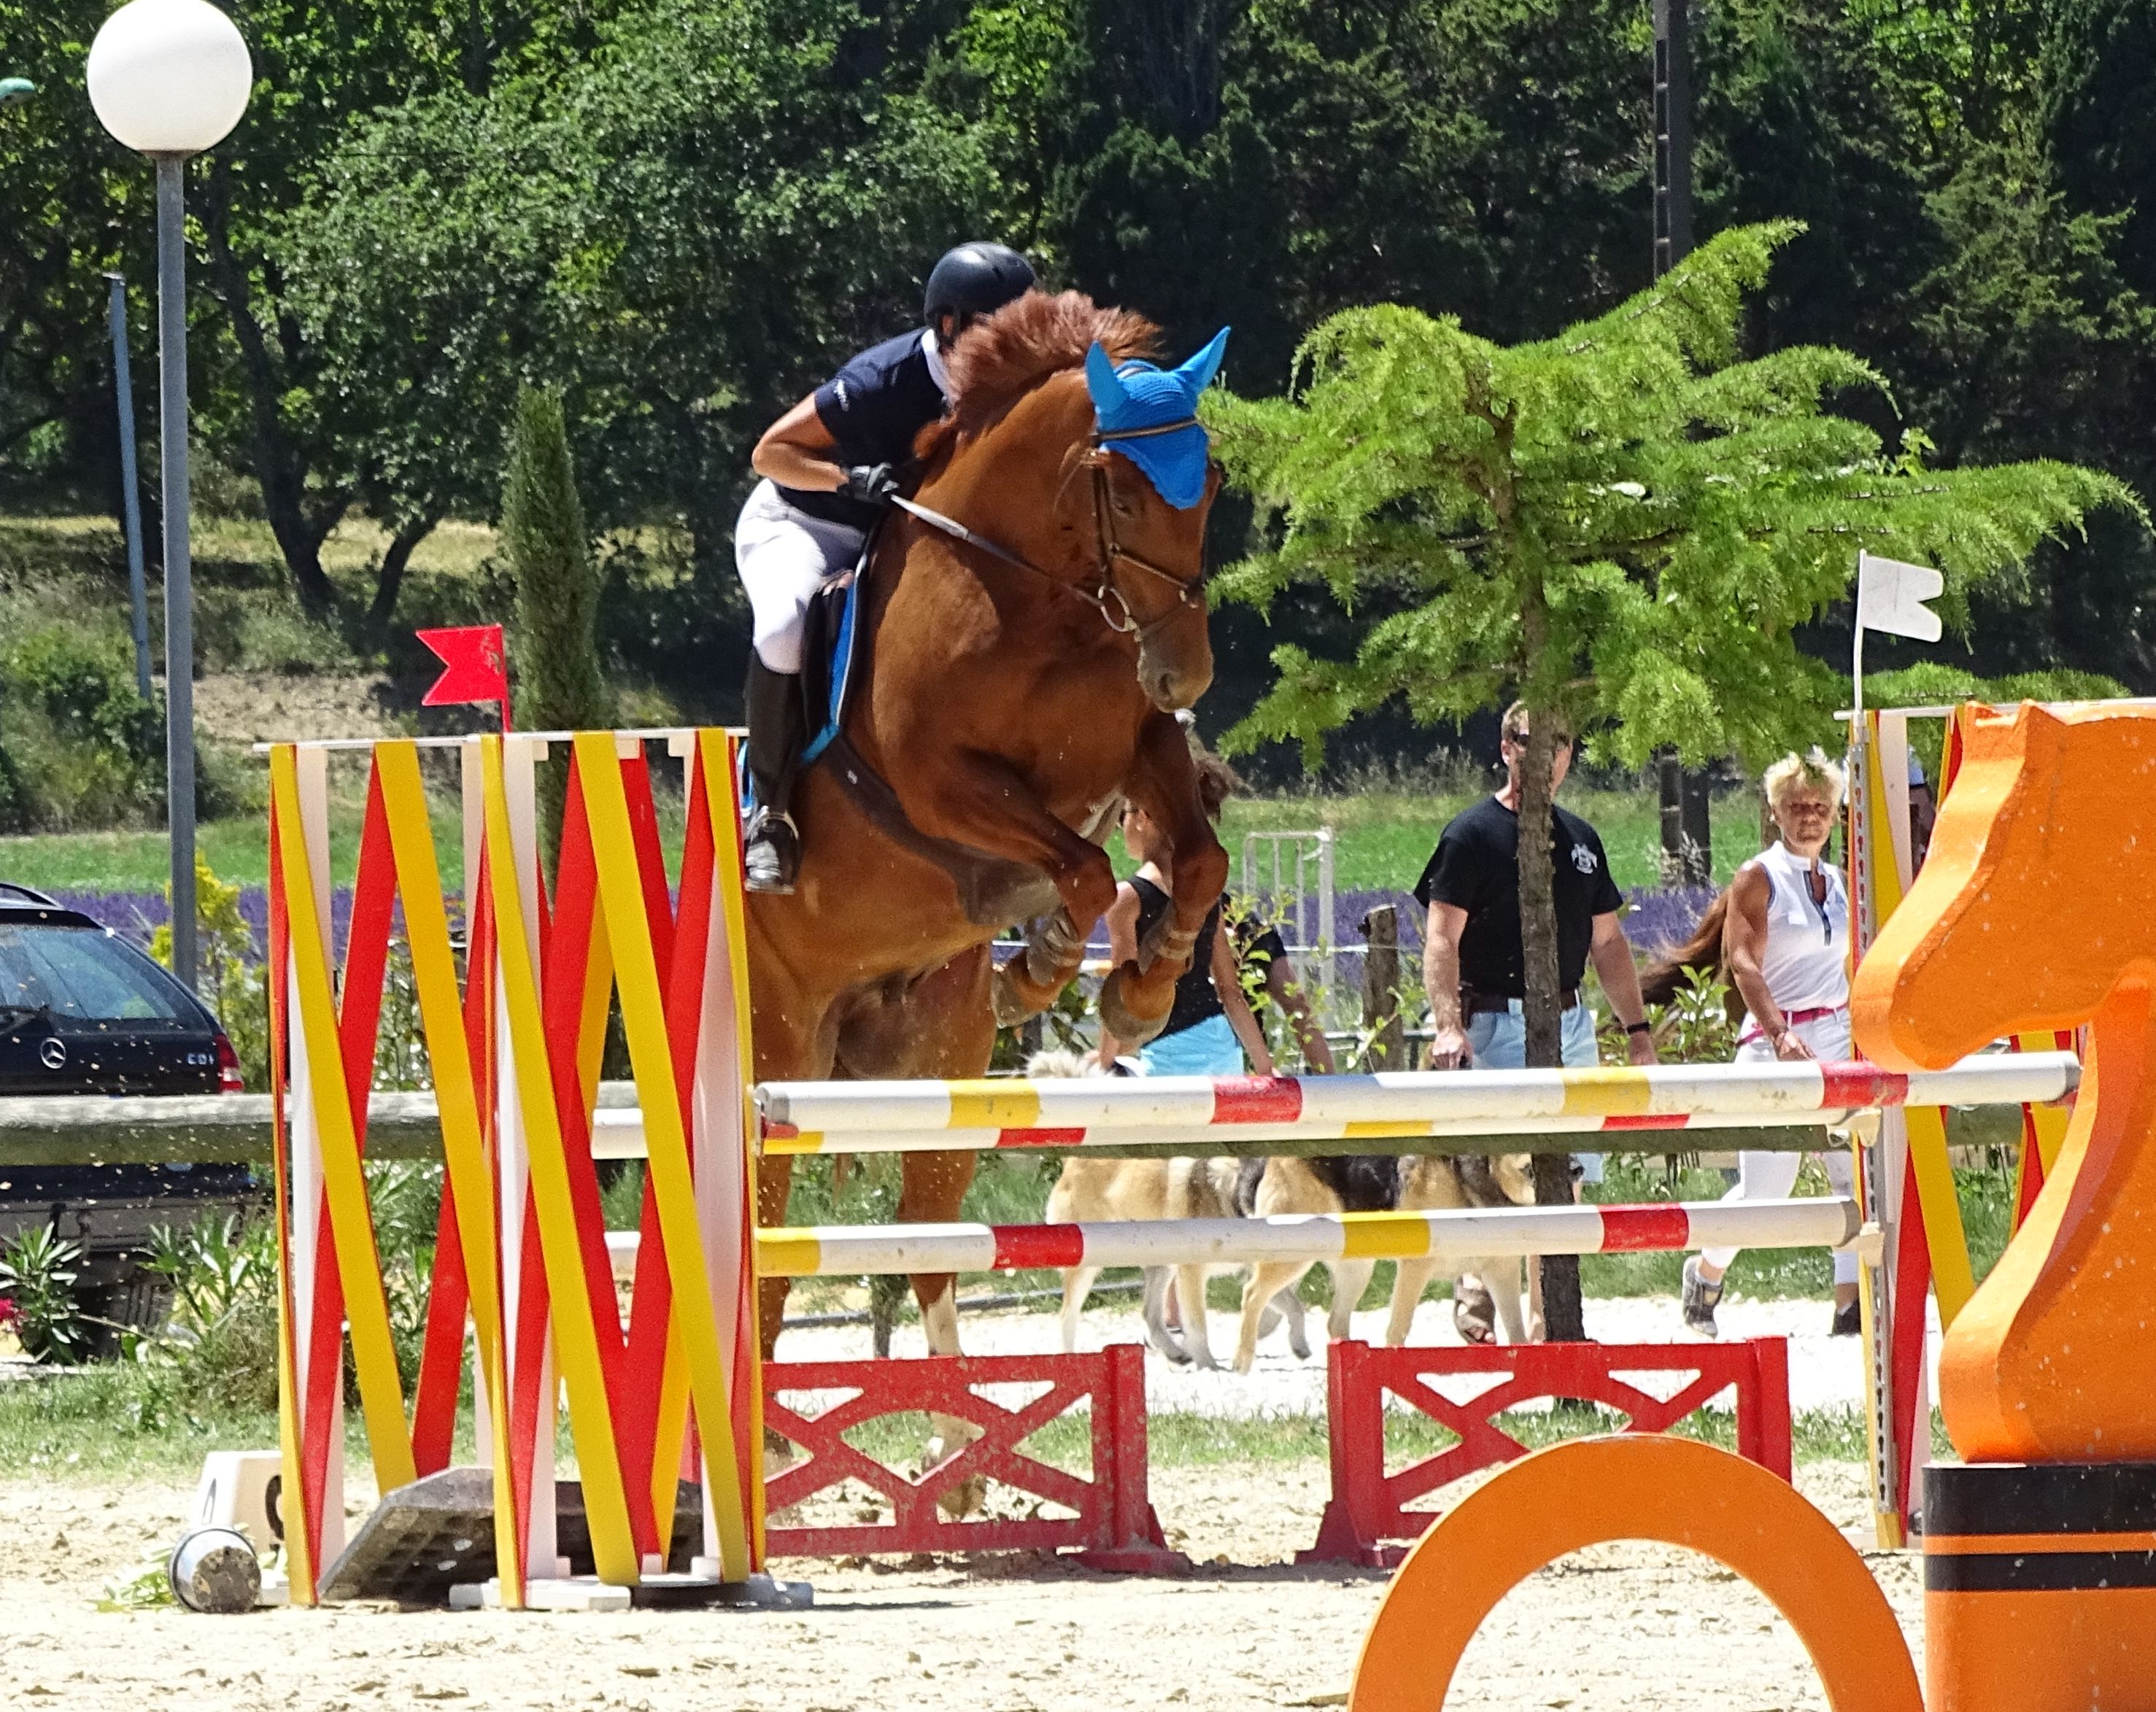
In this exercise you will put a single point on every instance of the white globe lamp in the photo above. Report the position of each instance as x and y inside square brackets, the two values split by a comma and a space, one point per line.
[169, 79]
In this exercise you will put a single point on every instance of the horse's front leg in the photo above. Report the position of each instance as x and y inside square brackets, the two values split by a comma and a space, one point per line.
[1135, 1001]
[981, 800]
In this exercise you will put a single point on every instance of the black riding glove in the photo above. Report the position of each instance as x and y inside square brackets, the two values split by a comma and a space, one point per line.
[874, 482]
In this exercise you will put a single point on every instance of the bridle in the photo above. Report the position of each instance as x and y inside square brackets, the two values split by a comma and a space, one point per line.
[1107, 597]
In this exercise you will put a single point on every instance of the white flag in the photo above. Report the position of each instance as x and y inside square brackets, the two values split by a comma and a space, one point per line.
[1891, 597]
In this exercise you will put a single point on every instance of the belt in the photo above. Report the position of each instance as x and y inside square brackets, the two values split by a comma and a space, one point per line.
[1792, 1019]
[1475, 1003]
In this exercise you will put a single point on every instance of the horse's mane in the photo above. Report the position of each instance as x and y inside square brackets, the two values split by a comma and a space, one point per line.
[1002, 357]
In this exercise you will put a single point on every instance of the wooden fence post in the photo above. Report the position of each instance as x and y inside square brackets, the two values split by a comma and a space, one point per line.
[1381, 991]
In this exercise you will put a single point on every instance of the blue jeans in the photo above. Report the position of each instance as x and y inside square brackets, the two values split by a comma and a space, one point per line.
[1499, 1040]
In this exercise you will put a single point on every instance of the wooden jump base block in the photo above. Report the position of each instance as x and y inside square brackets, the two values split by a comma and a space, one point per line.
[1367, 1512]
[1111, 1524]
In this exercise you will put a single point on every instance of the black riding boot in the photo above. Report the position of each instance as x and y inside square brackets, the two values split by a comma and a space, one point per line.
[772, 857]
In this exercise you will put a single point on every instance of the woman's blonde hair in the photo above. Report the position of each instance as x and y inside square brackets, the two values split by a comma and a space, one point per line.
[1813, 770]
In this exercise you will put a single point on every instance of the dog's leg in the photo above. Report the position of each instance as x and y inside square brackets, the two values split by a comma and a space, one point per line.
[1077, 1285]
[1155, 1316]
[1288, 1305]
[1350, 1279]
[1409, 1284]
[1267, 1281]
[1501, 1278]
[1190, 1297]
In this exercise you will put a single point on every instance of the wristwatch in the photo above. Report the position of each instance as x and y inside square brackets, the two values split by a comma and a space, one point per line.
[1641, 1026]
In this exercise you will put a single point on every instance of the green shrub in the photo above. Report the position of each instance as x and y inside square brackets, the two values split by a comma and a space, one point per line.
[81, 745]
[221, 1344]
[37, 1278]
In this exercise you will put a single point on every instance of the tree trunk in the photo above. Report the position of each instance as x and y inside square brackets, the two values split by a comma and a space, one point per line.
[1562, 1318]
[389, 581]
[1382, 1025]
[277, 463]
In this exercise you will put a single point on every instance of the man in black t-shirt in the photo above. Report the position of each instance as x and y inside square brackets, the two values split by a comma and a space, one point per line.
[829, 467]
[1473, 964]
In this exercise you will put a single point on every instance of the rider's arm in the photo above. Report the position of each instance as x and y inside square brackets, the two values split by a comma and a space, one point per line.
[1122, 919]
[798, 451]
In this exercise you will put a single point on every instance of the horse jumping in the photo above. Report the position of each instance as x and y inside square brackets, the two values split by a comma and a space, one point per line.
[1037, 620]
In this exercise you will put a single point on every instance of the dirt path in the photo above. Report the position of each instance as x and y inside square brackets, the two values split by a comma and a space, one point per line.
[1626, 1626]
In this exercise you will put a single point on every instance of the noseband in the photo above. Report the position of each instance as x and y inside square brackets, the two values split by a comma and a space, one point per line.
[1107, 597]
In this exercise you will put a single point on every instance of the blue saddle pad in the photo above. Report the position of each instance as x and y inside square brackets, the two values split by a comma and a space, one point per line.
[844, 599]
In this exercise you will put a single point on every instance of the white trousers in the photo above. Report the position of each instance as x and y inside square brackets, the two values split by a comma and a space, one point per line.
[784, 556]
[1770, 1176]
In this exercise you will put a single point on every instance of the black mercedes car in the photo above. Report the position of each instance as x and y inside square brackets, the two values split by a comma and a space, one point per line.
[82, 1012]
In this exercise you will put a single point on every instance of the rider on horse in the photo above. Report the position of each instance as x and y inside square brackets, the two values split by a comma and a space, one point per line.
[830, 466]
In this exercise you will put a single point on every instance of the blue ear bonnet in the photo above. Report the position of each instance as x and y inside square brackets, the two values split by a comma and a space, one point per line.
[1149, 415]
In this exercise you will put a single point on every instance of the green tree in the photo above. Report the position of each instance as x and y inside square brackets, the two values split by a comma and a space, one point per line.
[555, 647]
[1624, 525]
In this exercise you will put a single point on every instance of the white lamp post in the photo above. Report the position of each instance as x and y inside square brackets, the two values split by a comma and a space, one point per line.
[170, 78]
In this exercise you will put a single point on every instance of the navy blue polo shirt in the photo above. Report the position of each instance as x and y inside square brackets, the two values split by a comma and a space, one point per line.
[873, 407]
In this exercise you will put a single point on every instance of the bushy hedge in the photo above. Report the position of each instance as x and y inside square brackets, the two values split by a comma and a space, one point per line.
[80, 749]
[78, 746]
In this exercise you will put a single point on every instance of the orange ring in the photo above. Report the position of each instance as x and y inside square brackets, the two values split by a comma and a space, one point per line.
[1641, 1486]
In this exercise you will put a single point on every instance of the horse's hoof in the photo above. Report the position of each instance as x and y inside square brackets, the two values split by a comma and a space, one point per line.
[1016, 998]
[1054, 953]
[1129, 1029]
[1300, 1346]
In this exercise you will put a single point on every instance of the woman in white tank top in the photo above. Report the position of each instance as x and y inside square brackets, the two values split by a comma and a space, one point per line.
[1785, 946]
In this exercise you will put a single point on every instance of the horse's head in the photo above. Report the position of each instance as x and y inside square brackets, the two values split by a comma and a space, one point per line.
[1066, 448]
[2035, 898]
[1153, 481]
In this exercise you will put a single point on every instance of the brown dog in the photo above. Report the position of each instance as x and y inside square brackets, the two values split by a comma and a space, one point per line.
[1352, 1183]
[1091, 1189]
[1439, 1181]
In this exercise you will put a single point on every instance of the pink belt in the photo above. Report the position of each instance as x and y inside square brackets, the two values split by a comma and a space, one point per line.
[1816, 1014]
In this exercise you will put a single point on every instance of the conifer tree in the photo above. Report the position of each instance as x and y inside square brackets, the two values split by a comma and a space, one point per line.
[1624, 526]
[555, 651]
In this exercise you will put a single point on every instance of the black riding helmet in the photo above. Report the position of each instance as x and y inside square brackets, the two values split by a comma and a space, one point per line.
[975, 280]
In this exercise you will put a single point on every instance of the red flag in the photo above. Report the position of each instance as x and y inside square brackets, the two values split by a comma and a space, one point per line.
[476, 667]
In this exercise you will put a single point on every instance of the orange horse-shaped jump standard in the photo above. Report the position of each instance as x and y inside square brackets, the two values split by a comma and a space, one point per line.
[1022, 683]
[2033, 911]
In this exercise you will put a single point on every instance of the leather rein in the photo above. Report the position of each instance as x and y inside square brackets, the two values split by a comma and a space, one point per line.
[1107, 598]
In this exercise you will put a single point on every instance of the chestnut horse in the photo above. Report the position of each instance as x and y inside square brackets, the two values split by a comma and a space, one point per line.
[1023, 679]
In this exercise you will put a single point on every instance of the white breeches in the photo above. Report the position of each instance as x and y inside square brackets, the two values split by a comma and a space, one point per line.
[1770, 1176]
[784, 556]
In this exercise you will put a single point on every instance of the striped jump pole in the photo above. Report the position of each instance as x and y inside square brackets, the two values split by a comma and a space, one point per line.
[910, 1116]
[1474, 1234]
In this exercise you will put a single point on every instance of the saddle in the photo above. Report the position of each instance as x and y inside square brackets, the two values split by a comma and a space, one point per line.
[994, 891]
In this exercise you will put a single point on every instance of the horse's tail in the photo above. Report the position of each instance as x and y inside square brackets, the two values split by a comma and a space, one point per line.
[1661, 980]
